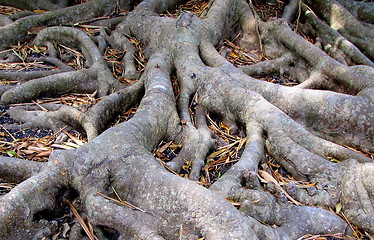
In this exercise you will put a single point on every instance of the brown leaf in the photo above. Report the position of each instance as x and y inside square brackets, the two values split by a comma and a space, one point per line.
[65, 229]
[44, 154]
[35, 30]
[164, 147]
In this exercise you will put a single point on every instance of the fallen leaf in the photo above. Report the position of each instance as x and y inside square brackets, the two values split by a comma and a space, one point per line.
[44, 154]
[338, 207]
[65, 229]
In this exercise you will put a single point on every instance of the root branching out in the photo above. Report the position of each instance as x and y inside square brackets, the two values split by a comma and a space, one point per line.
[201, 120]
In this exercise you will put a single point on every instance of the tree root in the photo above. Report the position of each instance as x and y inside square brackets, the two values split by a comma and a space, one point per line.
[79, 81]
[360, 10]
[123, 187]
[17, 31]
[357, 191]
[25, 76]
[198, 141]
[131, 223]
[286, 216]
[276, 66]
[282, 97]
[18, 170]
[53, 85]
[19, 206]
[128, 59]
[333, 38]
[301, 153]
[33, 5]
[337, 17]
[352, 81]
[53, 116]
[97, 118]
[4, 20]
[93, 120]
[290, 10]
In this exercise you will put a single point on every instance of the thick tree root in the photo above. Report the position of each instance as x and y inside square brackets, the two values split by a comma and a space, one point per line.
[133, 223]
[128, 60]
[53, 85]
[19, 207]
[331, 37]
[93, 120]
[17, 31]
[301, 153]
[343, 21]
[33, 5]
[97, 78]
[198, 141]
[47, 116]
[18, 170]
[123, 187]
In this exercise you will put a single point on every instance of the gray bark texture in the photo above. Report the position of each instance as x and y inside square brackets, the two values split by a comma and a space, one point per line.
[328, 115]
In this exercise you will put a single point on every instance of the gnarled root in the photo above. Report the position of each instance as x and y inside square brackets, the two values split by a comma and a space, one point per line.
[19, 207]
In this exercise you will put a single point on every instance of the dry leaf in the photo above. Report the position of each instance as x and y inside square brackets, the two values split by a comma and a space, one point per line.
[338, 207]
[44, 154]
[61, 146]
[65, 229]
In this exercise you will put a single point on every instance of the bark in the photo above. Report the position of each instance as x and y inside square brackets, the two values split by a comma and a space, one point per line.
[303, 127]
[33, 5]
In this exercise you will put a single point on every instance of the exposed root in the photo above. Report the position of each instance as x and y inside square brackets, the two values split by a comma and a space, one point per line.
[357, 193]
[361, 10]
[17, 31]
[79, 81]
[290, 10]
[18, 170]
[25, 76]
[351, 81]
[251, 39]
[128, 59]
[287, 217]
[4, 20]
[22, 76]
[244, 172]
[97, 118]
[94, 59]
[19, 206]
[198, 141]
[269, 67]
[331, 37]
[343, 21]
[131, 223]
[301, 153]
[57, 84]
[33, 5]
[47, 116]
[54, 61]
[122, 187]
[93, 120]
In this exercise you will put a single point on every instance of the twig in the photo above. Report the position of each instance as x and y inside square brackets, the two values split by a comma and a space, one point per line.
[350, 225]
[6, 130]
[181, 232]
[124, 203]
[43, 108]
[81, 221]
